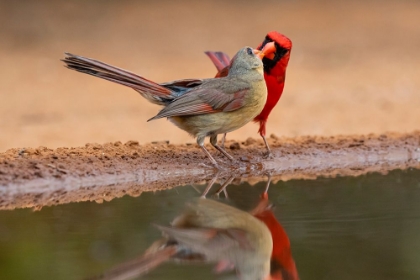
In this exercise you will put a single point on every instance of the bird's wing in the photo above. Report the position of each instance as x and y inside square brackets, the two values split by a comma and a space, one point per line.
[187, 83]
[179, 87]
[210, 238]
[213, 97]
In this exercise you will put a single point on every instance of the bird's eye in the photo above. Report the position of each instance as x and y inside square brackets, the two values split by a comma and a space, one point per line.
[249, 51]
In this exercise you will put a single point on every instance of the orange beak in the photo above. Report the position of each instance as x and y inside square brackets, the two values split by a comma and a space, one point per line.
[268, 51]
[258, 53]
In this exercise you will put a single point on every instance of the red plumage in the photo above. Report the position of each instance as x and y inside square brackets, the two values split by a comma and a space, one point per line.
[282, 263]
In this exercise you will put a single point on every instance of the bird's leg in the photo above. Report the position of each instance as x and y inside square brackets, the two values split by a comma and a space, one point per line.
[213, 141]
[267, 186]
[223, 187]
[264, 203]
[268, 154]
[200, 142]
[210, 184]
[226, 194]
[261, 131]
[222, 142]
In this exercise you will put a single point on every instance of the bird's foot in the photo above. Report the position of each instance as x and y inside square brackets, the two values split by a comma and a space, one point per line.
[232, 162]
[268, 155]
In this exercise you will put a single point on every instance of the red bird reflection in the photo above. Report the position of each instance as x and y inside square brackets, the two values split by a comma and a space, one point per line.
[282, 266]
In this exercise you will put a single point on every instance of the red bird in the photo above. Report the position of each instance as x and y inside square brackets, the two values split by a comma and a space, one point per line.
[275, 66]
[282, 266]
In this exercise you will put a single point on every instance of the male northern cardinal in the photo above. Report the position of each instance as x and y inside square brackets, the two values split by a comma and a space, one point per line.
[275, 65]
[208, 231]
[282, 266]
[200, 107]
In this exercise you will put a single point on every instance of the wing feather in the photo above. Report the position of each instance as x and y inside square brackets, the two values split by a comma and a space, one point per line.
[213, 97]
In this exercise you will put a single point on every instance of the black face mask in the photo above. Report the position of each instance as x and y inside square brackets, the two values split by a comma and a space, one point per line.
[270, 63]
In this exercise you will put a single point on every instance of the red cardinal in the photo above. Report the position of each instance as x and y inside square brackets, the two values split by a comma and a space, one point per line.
[275, 66]
[203, 108]
[282, 266]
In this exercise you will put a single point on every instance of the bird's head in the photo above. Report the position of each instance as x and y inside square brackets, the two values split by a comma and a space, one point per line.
[249, 59]
[245, 60]
[275, 62]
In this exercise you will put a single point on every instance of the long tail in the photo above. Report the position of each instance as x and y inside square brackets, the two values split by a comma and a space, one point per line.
[150, 90]
[137, 267]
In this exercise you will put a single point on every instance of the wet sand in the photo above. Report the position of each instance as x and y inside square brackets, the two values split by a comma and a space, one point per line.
[37, 177]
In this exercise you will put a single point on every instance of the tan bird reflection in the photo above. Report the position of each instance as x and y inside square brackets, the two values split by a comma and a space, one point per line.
[212, 232]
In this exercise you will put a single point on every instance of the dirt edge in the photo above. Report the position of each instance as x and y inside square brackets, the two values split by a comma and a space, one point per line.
[37, 177]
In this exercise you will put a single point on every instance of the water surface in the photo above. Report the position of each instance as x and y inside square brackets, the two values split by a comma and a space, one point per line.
[365, 227]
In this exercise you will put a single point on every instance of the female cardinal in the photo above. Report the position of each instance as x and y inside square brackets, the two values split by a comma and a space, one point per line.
[200, 107]
[275, 65]
[208, 231]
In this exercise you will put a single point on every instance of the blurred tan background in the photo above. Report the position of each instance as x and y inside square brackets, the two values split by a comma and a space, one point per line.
[354, 68]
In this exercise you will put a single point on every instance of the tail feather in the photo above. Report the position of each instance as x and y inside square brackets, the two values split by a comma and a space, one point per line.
[152, 91]
[138, 267]
[219, 59]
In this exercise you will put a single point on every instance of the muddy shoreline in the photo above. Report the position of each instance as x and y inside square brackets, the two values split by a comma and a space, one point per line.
[37, 177]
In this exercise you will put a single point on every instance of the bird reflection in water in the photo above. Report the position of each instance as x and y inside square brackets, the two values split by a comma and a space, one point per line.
[254, 243]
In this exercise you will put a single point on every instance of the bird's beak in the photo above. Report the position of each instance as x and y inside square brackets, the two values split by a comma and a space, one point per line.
[258, 53]
[268, 51]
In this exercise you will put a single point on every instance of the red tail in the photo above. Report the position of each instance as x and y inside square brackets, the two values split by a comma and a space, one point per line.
[219, 59]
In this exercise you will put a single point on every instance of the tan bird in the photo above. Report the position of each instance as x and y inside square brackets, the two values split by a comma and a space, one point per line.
[203, 108]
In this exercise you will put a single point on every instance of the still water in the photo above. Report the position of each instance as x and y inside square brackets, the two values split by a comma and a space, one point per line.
[365, 227]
